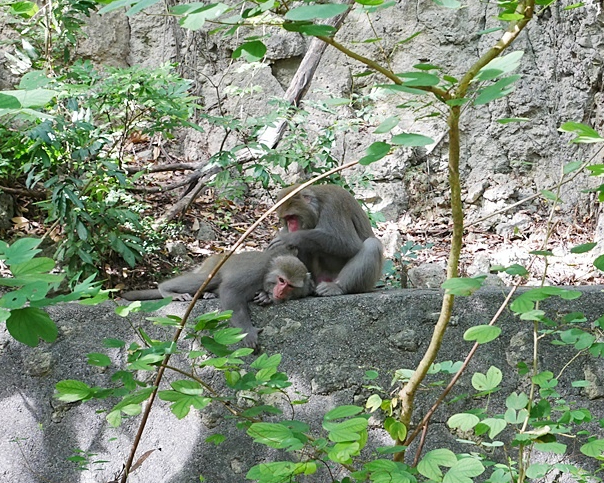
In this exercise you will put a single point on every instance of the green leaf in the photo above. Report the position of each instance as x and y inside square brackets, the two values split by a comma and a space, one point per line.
[572, 167]
[71, 391]
[33, 267]
[599, 263]
[273, 435]
[495, 425]
[140, 6]
[556, 448]
[309, 28]
[30, 324]
[463, 286]
[275, 472]
[463, 421]
[419, 79]
[410, 139]
[583, 248]
[375, 152]
[348, 430]
[98, 359]
[9, 102]
[508, 120]
[550, 195]
[21, 251]
[517, 401]
[387, 125]
[499, 89]
[464, 471]
[538, 470]
[594, 449]
[311, 12]
[500, 65]
[215, 439]
[31, 98]
[482, 333]
[373, 402]
[23, 9]
[585, 134]
[252, 51]
[448, 3]
[228, 336]
[429, 465]
[488, 381]
[342, 412]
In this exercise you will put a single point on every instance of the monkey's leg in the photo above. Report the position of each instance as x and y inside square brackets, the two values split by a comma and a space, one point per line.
[359, 274]
[150, 294]
[233, 298]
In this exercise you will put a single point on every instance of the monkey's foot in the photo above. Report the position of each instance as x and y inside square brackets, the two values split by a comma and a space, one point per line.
[251, 339]
[262, 298]
[328, 289]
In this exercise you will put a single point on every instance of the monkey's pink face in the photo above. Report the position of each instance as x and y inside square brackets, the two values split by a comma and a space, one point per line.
[293, 223]
[281, 290]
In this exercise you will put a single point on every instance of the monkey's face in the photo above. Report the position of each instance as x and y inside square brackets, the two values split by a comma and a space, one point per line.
[300, 212]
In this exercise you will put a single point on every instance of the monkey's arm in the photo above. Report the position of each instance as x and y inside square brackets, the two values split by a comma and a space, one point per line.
[319, 240]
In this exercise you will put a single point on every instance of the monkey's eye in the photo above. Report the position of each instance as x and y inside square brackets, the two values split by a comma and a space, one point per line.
[282, 280]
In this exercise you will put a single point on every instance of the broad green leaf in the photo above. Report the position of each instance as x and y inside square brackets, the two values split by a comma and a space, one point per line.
[311, 12]
[9, 102]
[463, 421]
[464, 471]
[35, 266]
[488, 381]
[594, 449]
[185, 386]
[31, 98]
[429, 465]
[375, 152]
[599, 263]
[538, 470]
[585, 134]
[140, 6]
[215, 439]
[228, 336]
[550, 195]
[98, 359]
[463, 286]
[342, 412]
[572, 167]
[265, 362]
[495, 425]
[21, 251]
[71, 391]
[517, 401]
[23, 9]
[556, 448]
[309, 28]
[387, 125]
[507, 120]
[373, 402]
[252, 51]
[280, 471]
[500, 65]
[583, 248]
[348, 430]
[499, 89]
[482, 333]
[419, 79]
[411, 139]
[273, 435]
[448, 3]
[30, 324]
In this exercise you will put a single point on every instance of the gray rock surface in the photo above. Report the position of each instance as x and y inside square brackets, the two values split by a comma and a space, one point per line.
[327, 345]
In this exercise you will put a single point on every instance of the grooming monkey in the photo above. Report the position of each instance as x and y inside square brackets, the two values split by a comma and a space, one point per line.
[271, 276]
[333, 238]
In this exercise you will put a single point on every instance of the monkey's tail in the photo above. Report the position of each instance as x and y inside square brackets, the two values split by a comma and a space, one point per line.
[150, 294]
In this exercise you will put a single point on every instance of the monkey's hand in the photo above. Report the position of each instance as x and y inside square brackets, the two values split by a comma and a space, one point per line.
[262, 298]
[251, 339]
[182, 297]
[282, 243]
[328, 289]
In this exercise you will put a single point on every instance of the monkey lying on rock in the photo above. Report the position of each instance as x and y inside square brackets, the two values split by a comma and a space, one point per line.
[271, 276]
[333, 237]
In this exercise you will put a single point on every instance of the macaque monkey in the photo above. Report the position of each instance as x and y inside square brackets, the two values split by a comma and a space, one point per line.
[271, 276]
[333, 237]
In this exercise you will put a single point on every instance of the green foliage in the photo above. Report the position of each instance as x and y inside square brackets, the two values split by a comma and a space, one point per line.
[22, 308]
